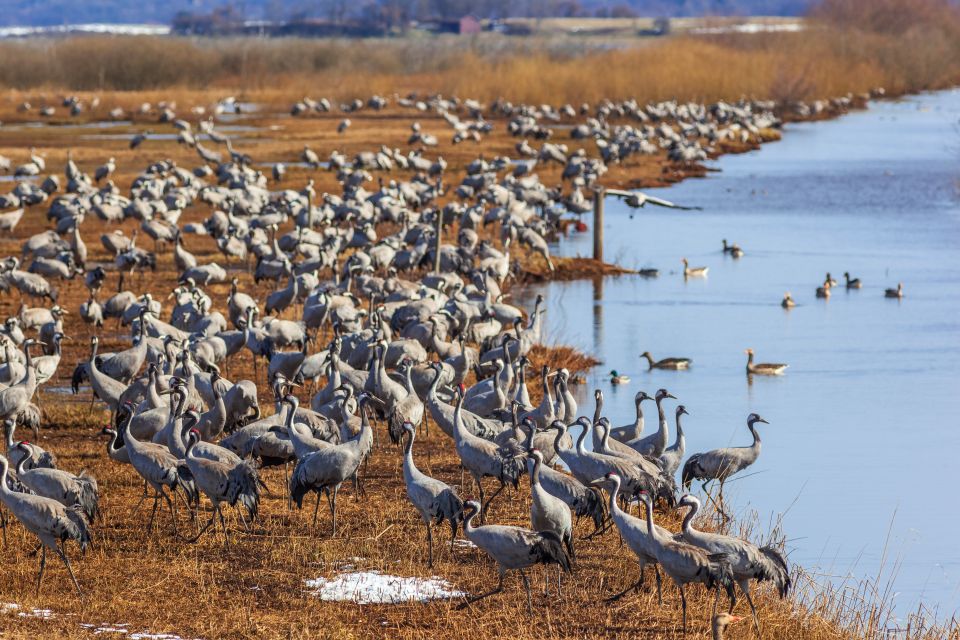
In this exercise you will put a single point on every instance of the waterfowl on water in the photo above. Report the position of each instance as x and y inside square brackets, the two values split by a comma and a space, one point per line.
[648, 273]
[733, 249]
[894, 293]
[787, 302]
[829, 280]
[823, 291]
[616, 378]
[666, 363]
[693, 272]
[852, 283]
[764, 368]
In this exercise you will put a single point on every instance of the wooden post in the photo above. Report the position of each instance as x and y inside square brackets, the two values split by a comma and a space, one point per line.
[598, 196]
[436, 257]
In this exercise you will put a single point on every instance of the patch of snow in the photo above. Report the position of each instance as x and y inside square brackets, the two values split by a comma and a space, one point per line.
[753, 27]
[373, 587]
[463, 543]
[100, 28]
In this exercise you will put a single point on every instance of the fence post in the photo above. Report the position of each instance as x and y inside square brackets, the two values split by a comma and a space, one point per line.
[436, 257]
[598, 196]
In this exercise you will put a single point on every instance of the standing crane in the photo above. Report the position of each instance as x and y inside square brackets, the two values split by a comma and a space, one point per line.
[223, 482]
[47, 519]
[327, 469]
[158, 467]
[513, 548]
[64, 487]
[435, 500]
[483, 458]
[685, 563]
[720, 464]
[674, 454]
[547, 512]
[408, 409]
[748, 561]
[655, 443]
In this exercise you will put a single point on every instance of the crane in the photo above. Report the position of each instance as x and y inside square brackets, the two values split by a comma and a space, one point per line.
[49, 520]
[229, 482]
[655, 443]
[720, 464]
[547, 512]
[64, 487]
[747, 560]
[435, 500]
[685, 563]
[513, 548]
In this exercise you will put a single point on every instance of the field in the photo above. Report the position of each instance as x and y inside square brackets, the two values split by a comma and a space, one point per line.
[255, 586]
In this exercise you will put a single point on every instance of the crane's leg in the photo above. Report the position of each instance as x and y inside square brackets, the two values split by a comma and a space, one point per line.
[710, 497]
[223, 525]
[485, 507]
[632, 587]
[656, 569]
[430, 544]
[498, 589]
[153, 513]
[316, 507]
[43, 566]
[173, 509]
[745, 587]
[683, 602]
[333, 508]
[526, 586]
[453, 532]
[3, 525]
[203, 530]
[66, 562]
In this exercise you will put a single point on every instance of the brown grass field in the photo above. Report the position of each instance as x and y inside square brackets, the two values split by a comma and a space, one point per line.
[254, 588]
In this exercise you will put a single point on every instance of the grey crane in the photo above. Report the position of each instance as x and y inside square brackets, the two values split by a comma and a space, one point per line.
[747, 560]
[435, 500]
[482, 458]
[49, 520]
[513, 548]
[582, 500]
[159, 468]
[223, 482]
[46, 366]
[720, 464]
[443, 414]
[685, 563]
[655, 443]
[66, 488]
[633, 430]
[15, 399]
[633, 531]
[328, 468]
[104, 386]
[588, 465]
[409, 409]
[548, 512]
[31, 455]
[672, 457]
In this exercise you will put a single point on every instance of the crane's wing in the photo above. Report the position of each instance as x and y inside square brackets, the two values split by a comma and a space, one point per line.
[670, 205]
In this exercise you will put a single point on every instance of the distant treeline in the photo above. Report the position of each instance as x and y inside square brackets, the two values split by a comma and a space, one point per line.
[850, 45]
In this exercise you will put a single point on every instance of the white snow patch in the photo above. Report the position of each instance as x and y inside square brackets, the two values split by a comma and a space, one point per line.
[373, 587]
[43, 614]
[463, 543]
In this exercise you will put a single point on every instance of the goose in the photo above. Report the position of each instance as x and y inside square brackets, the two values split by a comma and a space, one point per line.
[666, 363]
[852, 283]
[894, 293]
[824, 290]
[787, 302]
[732, 249]
[693, 272]
[763, 368]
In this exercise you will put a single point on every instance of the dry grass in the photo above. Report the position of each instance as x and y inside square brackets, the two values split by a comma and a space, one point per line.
[849, 46]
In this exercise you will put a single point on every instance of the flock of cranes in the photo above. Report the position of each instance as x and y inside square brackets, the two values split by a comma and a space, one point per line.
[357, 310]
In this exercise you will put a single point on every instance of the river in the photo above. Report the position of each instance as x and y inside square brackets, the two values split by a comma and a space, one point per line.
[863, 436]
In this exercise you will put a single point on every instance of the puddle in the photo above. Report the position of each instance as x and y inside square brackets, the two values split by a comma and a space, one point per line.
[373, 587]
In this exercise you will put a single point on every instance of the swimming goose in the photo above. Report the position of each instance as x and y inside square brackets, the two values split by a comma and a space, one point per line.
[764, 368]
[666, 363]
[823, 291]
[894, 293]
[787, 302]
[829, 280]
[693, 272]
[733, 249]
[852, 283]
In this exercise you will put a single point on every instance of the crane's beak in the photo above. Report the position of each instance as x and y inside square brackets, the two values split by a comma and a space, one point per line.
[670, 395]
[763, 421]
[598, 482]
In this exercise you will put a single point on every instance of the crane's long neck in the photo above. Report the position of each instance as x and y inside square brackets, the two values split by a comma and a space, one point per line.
[614, 505]
[662, 431]
[649, 509]
[604, 437]
[756, 439]
[4, 468]
[8, 432]
[583, 436]
[408, 463]
[638, 423]
[687, 526]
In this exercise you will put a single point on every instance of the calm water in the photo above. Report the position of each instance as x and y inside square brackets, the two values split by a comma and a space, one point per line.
[864, 431]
